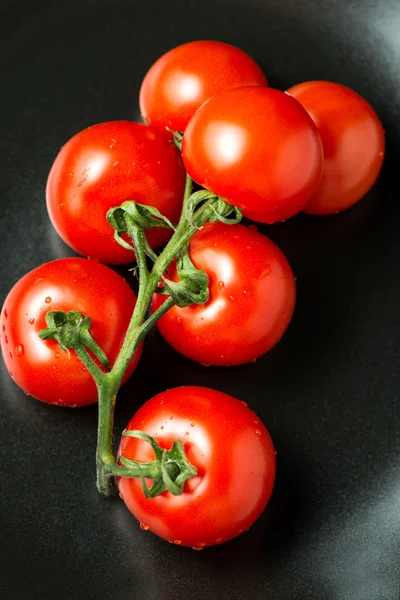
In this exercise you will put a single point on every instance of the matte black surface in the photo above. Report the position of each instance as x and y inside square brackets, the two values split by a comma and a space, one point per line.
[328, 393]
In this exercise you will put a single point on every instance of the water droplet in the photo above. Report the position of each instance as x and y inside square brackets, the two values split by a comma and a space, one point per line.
[204, 365]
[258, 432]
[265, 273]
[178, 320]
[222, 356]
[70, 173]
[219, 540]
[253, 227]
[6, 339]
[199, 547]
[37, 280]
[11, 374]
[121, 496]
[47, 300]
[248, 247]
[19, 350]
[231, 297]
[73, 405]
[162, 427]
[54, 367]
[243, 402]
[187, 433]
[221, 285]
[116, 163]
[254, 360]
[177, 542]
[144, 526]
[58, 354]
[191, 424]
[10, 355]
[5, 314]
[171, 418]
[4, 327]
[31, 321]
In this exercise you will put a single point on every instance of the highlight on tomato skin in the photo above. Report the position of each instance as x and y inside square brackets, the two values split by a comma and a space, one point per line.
[181, 80]
[100, 168]
[235, 460]
[353, 139]
[257, 148]
[251, 302]
[40, 367]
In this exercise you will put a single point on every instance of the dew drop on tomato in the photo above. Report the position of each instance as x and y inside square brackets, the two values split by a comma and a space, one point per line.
[19, 350]
[144, 526]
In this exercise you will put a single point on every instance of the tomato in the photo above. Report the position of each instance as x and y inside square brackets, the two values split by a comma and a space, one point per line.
[185, 77]
[251, 302]
[100, 168]
[234, 456]
[40, 367]
[353, 140]
[258, 149]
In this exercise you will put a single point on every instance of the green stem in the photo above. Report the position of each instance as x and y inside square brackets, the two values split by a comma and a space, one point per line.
[89, 363]
[154, 317]
[137, 329]
[104, 453]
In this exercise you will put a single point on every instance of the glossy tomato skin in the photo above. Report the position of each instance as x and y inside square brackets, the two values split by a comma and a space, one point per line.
[258, 149]
[40, 367]
[181, 80]
[251, 303]
[353, 140]
[103, 166]
[232, 451]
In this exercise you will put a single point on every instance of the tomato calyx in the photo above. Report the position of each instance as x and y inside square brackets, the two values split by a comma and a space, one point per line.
[192, 287]
[169, 471]
[131, 215]
[71, 330]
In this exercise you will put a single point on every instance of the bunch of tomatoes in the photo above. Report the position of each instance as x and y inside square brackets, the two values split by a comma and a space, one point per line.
[215, 128]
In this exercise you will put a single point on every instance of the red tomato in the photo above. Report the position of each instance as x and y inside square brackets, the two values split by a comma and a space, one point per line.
[100, 168]
[40, 367]
[232, 451]
[185, 77]
[252, 298]
[353, 140]
[258, 149]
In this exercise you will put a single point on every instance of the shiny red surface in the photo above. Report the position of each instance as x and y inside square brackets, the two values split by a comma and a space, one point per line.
[40, 367]
[258, 149]
[353, 140]
[181, 80]
[100, 168]
[252, 298]
[232, 451]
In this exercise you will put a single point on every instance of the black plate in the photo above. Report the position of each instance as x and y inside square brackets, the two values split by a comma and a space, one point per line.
[328, 392]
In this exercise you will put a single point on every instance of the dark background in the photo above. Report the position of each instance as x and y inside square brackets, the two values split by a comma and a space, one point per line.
[328, 392]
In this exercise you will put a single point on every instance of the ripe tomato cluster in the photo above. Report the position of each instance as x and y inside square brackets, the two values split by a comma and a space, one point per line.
[211, 120]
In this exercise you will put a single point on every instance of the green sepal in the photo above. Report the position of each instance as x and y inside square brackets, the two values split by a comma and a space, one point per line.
[192, 287]
[70, 330]
[169, 471]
